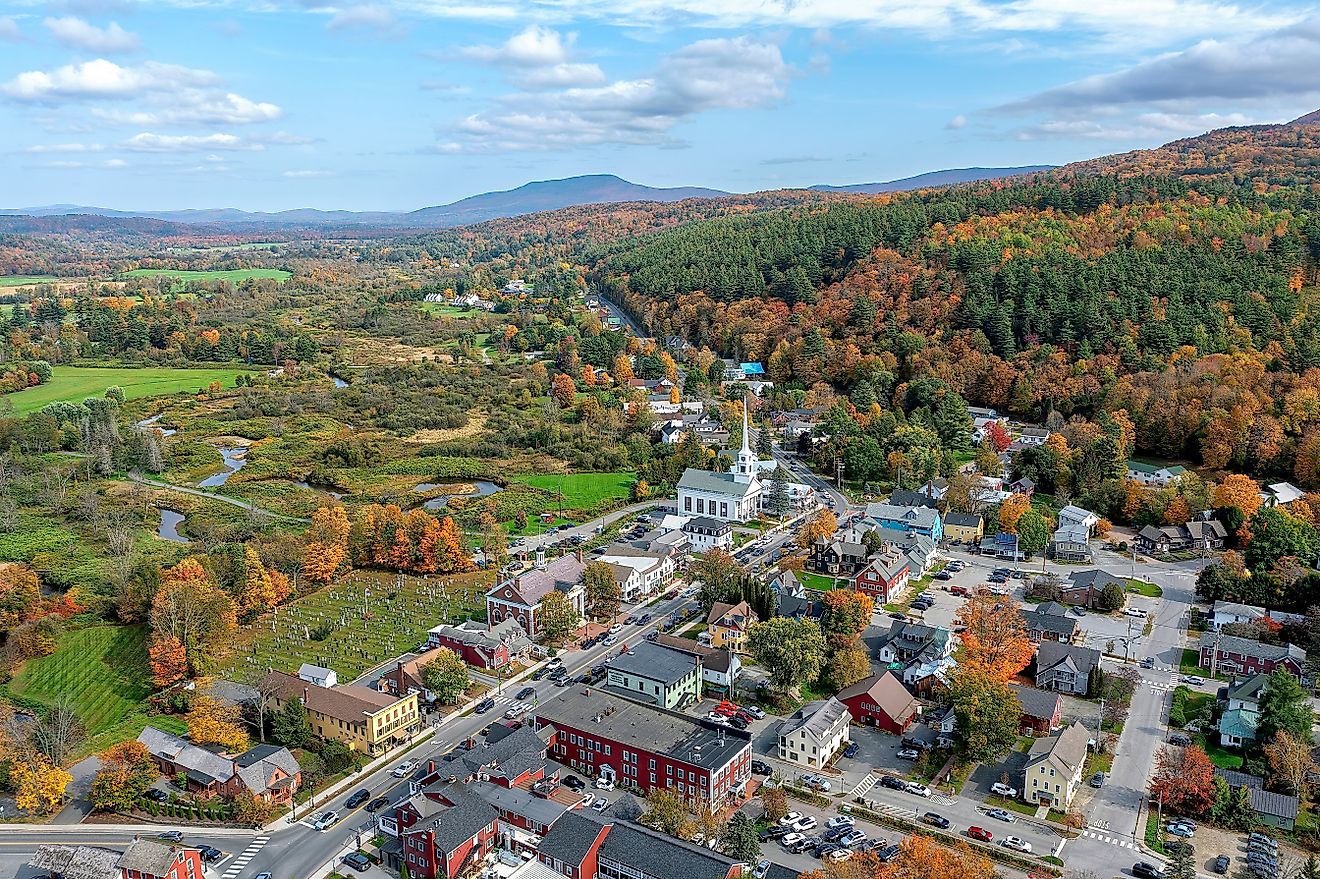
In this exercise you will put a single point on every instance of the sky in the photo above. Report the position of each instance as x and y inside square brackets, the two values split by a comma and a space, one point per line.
[401, 104]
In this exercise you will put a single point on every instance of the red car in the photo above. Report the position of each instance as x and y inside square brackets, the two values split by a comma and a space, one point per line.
[727, 709]
[980, 833]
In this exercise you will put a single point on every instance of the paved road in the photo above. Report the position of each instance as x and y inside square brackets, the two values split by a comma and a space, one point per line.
[299, 850]
[213, 495]
[533, 542]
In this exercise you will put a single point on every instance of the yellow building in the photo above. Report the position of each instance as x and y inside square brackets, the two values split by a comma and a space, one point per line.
[966, 527]
[366, 720]
[727, 626]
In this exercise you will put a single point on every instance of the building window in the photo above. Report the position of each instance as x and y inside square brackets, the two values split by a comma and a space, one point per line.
[687, 503]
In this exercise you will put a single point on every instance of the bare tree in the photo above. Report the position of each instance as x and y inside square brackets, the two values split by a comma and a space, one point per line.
[58, 732]
[8, 514]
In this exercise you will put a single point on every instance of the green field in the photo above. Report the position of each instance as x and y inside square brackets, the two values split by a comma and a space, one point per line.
[74, 383]
[102, 671]
[232, 277]
[25, 280]
[582, 491]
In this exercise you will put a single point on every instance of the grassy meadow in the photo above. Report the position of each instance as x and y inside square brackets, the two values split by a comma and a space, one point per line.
[234, 276]
[28, 280]
[73, 383]
[583, 490]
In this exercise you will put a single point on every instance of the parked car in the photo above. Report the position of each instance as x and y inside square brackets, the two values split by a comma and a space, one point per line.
[1148, 662]
[777, 830]
[853, 837]
[980, 833]
[840, 854]
[1098, 780]
[359, 797]
[1180, 740]
[887, 854]
[403, 768]
[574, 783]
[909, 754]
[892, 782]
[1003, 790]
[762, 867]
[358, 861]
[1260, 837]
[916, 787]
[210, 854]
[755, 712]
[851, 750]
[1001, 815]
[806, 822]
[935, 819]
[604, 783]
[760, 767]
[790, 819]
[376, 804]
[816, 783]
[788, 840]
[1146, 870]
[600, 805]
[616, 628]
[1180, 829]
[325, 820]
[957, 590]
[1221, 864]
[840, 821]
[1016, 843]
[943, 575]
[171, 836]
[155, 794]
[1079, 610]
[738, 722]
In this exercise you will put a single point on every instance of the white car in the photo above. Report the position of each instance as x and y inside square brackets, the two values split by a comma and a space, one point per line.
[1003, 790]
[753, 711]
[603, 783]
[762, 867]
[1194, 680]
[516, 710]
[815, 782]
[789, 839]
[790, 819]
[616, 628]
[600, 805]
[909, 754]
[916, 787]
[852, 838]
[806, 822]
[1016, 843]
[840, 821]
[326, 819]
[404, 768]
[840, 854]
[718, 718]
[1134, 612]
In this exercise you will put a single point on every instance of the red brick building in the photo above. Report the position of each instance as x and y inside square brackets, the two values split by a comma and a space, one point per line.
[882, 701]
[630, 743]
[149, 859]
[519, 597]
[482, 647]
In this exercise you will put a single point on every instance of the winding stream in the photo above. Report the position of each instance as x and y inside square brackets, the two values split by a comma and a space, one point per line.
[481, 488]
[151, 422]
[234, 461]
[170, 520]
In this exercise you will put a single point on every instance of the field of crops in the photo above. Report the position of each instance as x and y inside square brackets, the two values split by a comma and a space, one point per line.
[233, 277]
[73, 383]
[102, 671]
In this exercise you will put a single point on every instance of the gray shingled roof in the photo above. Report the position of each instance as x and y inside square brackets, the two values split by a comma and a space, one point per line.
[1258, 649]
[196, 761]
[570, 838]
[76, 861]
[1035, 703]
[148, 857]
[456, 824]
[716, 483]
[655, 663]
[1051, 653]
[662, 857]
[257, 766]
[815, 718]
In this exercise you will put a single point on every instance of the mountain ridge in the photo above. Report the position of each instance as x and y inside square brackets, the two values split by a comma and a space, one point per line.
[946, 177]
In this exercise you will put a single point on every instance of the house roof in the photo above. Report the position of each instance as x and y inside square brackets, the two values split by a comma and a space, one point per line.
[1240, 723]
[307, 671]
[963, 520]
[456, 824]
[716, 483]
[661, 856]
[626, 808]
[706, 525]
[1233, 608]
[76, 861]
[351, 704]
[646, 727]
[570, 838]
[1272, 804]
[889, 566]
[1239, 779]
[655, 663]
[1256, 649]
[1050, 608]
[1036, 703]
[903, 497]
[1286, 492]
[816, 719]
[886, 691]
[206, 766]
[562, 574]
[1054, 654]
[1248, 690]
[1074, 513]
[1093, 579]
[1067, 750]
[256, 767]
[738, 616]
[508, 632]
[916, 517]
[511, 756]
[148, 857]
[1150, 468]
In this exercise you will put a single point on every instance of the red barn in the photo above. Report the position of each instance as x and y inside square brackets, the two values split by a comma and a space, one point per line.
[881, 700]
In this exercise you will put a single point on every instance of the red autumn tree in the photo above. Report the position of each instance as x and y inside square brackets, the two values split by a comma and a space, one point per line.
[1184, 780]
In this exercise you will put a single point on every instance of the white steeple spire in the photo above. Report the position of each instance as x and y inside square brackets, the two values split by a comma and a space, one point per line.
[746, 447]
[745, 469]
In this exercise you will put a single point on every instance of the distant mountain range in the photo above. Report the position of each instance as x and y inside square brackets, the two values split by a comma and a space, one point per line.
[934, 178]
[530, 198]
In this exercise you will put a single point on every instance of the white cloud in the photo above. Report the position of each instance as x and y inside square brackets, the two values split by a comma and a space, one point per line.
[65, 148]
[148, 142]
[717, 74]
[102, 79]
[538, 58]
[1266, 78]
[284, 138]
[9, 30]
[195, 107]
[114, 163]
[79, 34]
[371, 17]
[956, 122]
[300, 175]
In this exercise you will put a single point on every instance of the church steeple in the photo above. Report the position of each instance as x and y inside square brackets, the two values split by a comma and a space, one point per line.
[745, 469]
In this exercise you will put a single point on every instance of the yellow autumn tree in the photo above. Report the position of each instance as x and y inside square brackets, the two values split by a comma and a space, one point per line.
[1011, 510]
[327, 544]
[212, 722]
[38, 785]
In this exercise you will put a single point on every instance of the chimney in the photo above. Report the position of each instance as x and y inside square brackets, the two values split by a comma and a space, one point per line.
[578, 554]
[540, 557]
[304, 699]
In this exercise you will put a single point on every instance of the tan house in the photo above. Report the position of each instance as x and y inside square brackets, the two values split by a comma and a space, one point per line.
[814, 733]
[965, 527]
[366, 720]
[727, 625]
[1054, 768]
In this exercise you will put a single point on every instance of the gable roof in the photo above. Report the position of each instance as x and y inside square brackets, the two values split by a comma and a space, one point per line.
[76, 861]
[1036, 703]
[148, 857]
[562, 574]
[1093, 579]
[815, 718]
[1249, 690]
[257, 766]
[456, 824]
[735, 616]
[661, 856]
[570, 838]
[903, 497]
[351, 704]
[1054, 654]
[717, 483]
[1066, 751]
[886, 691]
[202, 764]
[915, 517]
[654, 662]
[963, 520]
[1257, 649]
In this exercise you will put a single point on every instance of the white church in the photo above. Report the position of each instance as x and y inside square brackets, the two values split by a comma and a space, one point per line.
[730, 497]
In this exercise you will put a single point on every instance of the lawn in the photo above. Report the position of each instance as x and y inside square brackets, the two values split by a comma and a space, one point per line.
[74, 383]
[329, 627]
[584, 491]
[818, 582]
[439, 309]
[1150, 590]
[235, 276]
[1191, 662]
[1219, 756]
[102, 670]
[25, 280]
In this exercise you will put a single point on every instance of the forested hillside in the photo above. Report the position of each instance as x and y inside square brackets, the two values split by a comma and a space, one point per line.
[1178, 284]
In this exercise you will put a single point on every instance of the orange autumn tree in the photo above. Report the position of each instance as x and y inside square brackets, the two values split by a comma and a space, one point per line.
[327, 544]
[192, 610]
[1184, 780]
[996, 635]
[383, 537]
[920, 857]
[1239, 491]
[563, 390]
[1011, 510]
[168, 661]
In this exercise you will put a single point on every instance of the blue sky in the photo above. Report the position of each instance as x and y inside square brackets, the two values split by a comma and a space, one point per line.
[399, 104]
